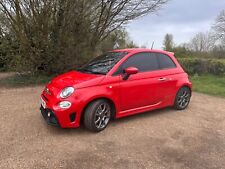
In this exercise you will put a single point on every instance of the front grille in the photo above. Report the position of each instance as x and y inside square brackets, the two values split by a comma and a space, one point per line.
[46, 99]
[49, 116]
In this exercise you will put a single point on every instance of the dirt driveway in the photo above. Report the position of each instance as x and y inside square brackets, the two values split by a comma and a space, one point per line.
[194, 138]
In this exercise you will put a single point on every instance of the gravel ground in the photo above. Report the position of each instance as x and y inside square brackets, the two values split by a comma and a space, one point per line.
[193, 138]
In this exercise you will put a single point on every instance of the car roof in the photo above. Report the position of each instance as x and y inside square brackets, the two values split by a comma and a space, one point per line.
[134, 50]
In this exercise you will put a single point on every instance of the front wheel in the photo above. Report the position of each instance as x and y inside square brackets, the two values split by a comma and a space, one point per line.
[97, 115]
[182, 98]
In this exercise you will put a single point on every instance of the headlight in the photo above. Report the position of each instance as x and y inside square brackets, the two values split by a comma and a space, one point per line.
[66, 92]
[64, 104]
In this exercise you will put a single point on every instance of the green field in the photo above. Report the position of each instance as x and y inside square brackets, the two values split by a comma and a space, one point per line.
[209, 84]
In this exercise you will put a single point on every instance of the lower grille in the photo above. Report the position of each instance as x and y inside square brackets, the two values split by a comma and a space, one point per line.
[72, 117]
[49, 116]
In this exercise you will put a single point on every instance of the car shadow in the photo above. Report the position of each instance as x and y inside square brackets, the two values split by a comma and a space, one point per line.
[82, 131]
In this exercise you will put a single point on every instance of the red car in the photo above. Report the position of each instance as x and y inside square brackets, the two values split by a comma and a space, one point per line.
[114, 85]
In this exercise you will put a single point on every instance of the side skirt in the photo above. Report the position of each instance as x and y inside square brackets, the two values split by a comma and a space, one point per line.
[139, 110]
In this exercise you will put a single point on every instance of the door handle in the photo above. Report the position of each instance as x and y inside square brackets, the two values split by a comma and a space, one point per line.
[162, 79]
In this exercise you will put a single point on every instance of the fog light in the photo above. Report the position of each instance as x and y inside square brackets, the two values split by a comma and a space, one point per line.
[64, 104]
[49, 114]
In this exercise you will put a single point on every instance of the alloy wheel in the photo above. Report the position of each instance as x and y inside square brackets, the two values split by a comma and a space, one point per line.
[102, 115]
[183, 98]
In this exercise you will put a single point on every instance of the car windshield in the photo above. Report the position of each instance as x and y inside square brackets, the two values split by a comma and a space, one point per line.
[103, 64]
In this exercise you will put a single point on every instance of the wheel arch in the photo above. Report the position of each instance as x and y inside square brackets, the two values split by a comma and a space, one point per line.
[175, 101]
[110, 101]
[187, 86]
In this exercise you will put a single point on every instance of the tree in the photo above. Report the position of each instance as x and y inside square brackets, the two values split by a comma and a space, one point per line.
[56, 35]
[181, 51]
[8, 45]
[219, 28]
[168, 42]
[202, 42]
[118, 39]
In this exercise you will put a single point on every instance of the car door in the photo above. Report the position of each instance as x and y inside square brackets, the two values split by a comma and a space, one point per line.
[167, 77]
[139, 90]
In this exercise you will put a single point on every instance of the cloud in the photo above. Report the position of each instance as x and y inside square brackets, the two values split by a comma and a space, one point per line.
[181, 18]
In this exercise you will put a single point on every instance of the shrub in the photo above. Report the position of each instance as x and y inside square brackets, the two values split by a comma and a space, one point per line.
[203, 66]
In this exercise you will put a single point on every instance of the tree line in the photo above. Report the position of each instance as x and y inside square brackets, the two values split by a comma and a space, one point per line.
[209, 44]
[205, 53]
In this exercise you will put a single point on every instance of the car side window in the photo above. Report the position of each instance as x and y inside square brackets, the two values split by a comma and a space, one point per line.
[165, 62]
[143, 61]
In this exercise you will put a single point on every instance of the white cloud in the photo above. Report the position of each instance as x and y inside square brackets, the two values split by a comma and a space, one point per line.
[183, 19]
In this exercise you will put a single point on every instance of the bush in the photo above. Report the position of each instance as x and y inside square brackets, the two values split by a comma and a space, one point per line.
[203, 66]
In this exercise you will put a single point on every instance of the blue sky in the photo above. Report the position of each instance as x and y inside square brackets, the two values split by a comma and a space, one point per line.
[182, 18]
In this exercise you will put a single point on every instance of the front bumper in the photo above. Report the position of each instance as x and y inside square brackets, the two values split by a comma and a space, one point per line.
[49, 117]
[65, 118]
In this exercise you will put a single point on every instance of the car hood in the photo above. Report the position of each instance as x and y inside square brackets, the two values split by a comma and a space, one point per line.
[76, 79]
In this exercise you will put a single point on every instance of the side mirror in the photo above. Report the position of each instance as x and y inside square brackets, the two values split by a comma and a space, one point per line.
[130, 71]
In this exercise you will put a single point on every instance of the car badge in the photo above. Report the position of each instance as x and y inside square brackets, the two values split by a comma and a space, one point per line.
[47, 91]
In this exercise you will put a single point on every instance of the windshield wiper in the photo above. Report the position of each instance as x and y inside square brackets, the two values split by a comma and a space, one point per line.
[100, 73]
[92, 72]
[83, 70]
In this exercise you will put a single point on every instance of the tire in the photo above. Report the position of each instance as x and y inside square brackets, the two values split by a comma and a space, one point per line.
[97, 115]
[182, 99]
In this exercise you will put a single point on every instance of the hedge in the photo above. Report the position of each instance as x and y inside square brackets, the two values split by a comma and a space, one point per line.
[203, 66]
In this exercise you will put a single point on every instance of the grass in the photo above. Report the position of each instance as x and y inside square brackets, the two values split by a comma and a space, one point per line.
[16, 80]
[209, 84]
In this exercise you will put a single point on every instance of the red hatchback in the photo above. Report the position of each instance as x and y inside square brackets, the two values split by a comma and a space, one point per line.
[114, 85]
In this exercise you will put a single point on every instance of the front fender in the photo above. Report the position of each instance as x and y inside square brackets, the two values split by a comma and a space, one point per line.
[110, 92]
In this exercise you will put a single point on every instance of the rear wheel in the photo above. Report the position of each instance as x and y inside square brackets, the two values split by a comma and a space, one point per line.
[182, 98]
[97, 115]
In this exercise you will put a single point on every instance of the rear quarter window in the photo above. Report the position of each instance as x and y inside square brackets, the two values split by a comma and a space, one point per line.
[165, 62]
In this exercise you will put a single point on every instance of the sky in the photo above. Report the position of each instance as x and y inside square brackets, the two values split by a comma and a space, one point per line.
[182, 18]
